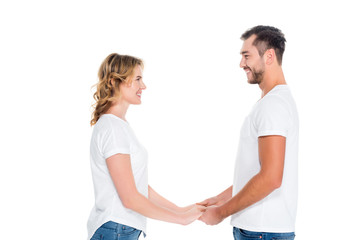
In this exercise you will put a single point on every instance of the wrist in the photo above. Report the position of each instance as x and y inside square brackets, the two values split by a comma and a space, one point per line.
[184, 209]
[181, 218]
[217, 200]
[176, 217]
[221, 212]
[188, 208]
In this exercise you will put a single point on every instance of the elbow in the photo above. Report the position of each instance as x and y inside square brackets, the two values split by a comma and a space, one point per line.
[275, 183]
[129, 201]
[272, 181]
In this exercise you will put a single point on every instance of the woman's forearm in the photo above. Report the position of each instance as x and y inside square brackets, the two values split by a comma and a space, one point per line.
[161, 201]
[147, 208]
[119, 166]
[144, 206]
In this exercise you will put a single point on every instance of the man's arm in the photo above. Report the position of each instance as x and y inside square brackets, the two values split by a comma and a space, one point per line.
[218, 200]
[269, 178]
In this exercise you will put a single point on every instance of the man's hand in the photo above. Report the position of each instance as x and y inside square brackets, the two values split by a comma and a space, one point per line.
[209, 202]
[211, 216]
[219, 199]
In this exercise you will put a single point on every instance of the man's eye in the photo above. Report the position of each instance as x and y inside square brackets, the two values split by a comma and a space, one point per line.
[246, 56]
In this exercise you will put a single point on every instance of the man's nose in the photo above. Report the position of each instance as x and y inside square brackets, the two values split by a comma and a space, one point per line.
[242, 63]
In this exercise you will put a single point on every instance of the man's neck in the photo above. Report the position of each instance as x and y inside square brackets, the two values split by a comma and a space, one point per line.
[270, 80]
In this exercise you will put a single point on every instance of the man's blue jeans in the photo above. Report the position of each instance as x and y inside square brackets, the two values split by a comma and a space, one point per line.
[115, 231]
[240, 234]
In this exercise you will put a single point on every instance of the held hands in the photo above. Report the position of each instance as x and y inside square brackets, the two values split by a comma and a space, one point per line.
[212, 214]
[209, 202]
[207, 211]
[191, 213]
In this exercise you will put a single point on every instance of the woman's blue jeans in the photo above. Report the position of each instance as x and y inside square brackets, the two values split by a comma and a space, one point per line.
[115, 231]
[240, 234]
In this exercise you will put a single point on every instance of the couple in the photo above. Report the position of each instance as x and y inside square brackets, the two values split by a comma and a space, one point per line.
[263, 198]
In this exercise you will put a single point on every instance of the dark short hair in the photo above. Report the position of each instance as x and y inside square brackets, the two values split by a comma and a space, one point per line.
[267, 37]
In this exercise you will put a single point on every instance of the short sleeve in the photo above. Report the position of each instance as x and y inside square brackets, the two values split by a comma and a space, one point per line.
[115, 140]
[273, 117]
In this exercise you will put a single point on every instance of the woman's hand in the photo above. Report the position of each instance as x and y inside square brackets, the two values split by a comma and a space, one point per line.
[191, 214]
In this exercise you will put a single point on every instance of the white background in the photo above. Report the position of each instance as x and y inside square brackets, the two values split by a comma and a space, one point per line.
[192, 111]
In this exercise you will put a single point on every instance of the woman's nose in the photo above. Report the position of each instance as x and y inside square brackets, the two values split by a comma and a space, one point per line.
[143, 86]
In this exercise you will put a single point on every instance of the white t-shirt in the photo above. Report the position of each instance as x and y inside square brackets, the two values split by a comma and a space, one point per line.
[274, 114]
[112, 135]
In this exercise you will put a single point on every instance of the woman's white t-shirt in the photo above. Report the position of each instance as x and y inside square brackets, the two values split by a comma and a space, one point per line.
[112, 135]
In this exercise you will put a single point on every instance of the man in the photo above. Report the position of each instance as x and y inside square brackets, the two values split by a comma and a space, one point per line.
[263, 198]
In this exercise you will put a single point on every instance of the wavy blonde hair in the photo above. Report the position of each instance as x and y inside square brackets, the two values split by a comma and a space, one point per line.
[115, 69]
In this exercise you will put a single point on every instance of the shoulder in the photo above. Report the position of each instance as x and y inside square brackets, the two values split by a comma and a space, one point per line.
[108, 123]
[273, 102]
[274, 106]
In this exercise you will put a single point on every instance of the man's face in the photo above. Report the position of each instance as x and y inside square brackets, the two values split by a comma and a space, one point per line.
[252, 63]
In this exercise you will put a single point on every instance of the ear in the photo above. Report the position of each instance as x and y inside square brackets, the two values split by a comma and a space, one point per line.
[270, 56]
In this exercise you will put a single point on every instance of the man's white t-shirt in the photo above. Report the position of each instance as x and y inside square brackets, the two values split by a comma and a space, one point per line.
[112, 135]
[274, 114]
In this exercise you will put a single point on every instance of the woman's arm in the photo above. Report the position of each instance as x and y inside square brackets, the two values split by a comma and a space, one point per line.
[161, 201]
[119, 166]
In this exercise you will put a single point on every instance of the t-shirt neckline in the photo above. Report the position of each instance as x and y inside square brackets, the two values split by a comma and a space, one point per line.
[114, 116]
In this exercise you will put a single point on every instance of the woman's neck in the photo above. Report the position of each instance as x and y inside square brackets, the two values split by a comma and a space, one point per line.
[119, 110]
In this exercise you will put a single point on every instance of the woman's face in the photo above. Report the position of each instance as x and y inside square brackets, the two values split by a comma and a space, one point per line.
[131, 92]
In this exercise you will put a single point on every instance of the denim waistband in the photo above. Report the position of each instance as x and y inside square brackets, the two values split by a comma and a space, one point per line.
[118, 227]
[265, 235]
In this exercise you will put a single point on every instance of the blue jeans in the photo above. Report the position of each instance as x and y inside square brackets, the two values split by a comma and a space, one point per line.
[241, 234]
[115, 231]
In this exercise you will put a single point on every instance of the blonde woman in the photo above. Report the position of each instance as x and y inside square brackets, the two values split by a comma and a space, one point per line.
[123, 198]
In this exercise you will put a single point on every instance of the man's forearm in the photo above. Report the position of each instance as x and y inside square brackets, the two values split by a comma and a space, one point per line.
[224, 196]
[255, 190]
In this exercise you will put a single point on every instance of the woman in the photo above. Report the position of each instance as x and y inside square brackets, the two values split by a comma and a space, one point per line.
[123, 198]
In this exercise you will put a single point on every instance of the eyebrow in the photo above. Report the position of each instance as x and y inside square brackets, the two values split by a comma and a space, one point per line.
[138, 76]
[243, 52]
